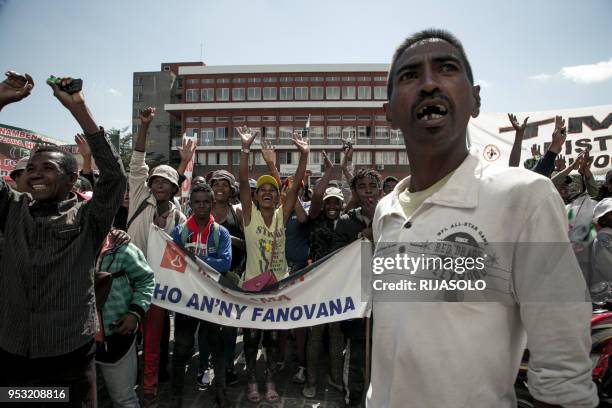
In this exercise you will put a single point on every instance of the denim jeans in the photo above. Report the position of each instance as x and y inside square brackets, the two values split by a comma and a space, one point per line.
[120, 378]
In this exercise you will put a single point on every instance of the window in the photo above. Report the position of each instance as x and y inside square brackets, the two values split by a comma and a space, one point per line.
[316, 79]
[364, 117]
[286, 79]
[363, 157]
[314, 158]
[207, 136]
[363, 132]
[285, 132]
[286, 93]
[191, 132]
[380, 78]
[179, 83]
[207, 119]
[138, 93]
[221, 133]
[238, 94]
[402, 158]
[223, 94]
[238, 118]
[223, 80]
[191, 95]
[137, 80]
[335, 157]
[349, 133]
[286, 118]
[301, 93]
[348, 78]
[200, 158]
[288, 157]
[254, 118]
[208, 81]
[254, 80]
[268, 118]
[269, 93]
[217, 158]
[315, 132]
[332, 79]
[300, 118]
[301, 79]
[334, 117]
[316, 92]
[364, 92]
[270, 79]
[235, 158]
[270, 132]
[239, 80]
[364, 79]
[380, 118]
[166, 68]
[380, 92]
[316, 118]
[349, 117]
[193, 119]
[397, 137]
[333, 132]
[332, 92]
[382, 132]
[385, 157]
[192, 81]
[348, 92]
[222, 119]
[254, 94]
[207, 94]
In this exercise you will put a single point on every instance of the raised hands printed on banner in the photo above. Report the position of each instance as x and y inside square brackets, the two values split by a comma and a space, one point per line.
[558, 136]
[15, 87]
[535, 150]
[247, 136]
[560, 163]
[515, 124]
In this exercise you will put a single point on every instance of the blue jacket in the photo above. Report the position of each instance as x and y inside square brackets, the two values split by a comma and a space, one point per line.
[220, 259]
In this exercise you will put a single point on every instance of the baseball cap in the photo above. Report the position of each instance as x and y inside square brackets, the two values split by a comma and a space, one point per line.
[20, 166]
[333, 192]
[166, 172]
[266, 179]
[602, 208]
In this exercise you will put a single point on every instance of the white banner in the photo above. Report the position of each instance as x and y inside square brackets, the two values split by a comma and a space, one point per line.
[493, 134]
[328, 292]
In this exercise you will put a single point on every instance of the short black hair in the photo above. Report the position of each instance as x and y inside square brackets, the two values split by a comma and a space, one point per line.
[426, 35]
[363, 173]
[201, 188]
[67, 162]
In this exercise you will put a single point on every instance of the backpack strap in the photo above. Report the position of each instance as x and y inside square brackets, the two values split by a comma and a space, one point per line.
[139, 210]
[216, 232]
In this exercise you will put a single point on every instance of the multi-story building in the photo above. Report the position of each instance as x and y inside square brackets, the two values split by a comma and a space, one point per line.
[344, 101]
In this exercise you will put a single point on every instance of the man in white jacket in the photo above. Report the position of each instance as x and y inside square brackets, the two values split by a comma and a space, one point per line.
[432, 353]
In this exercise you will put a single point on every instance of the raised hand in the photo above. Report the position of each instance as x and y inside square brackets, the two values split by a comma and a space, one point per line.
[15, 87]
[247, 136]
[187, 150]
[146, 116]
[267, 151]
[327, 164]
[535, 150]
[68, 100]
[560, 163]
[585, 166]
[558, 136]
[300, 143]
[82, 145]
[515, 123]
[348, 156]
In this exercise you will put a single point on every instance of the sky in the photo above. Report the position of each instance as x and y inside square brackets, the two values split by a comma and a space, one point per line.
[526, 55]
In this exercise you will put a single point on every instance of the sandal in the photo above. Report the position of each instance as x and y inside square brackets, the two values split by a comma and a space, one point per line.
[271, 394]
[253, 393]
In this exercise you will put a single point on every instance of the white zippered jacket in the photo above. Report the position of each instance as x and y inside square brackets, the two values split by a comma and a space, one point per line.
[436, 354]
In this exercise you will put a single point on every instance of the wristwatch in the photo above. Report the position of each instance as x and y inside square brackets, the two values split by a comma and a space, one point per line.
[247, 151]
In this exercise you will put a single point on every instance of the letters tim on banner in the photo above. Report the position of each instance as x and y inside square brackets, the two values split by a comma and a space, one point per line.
[329, 292]
[493, 135]
[16, 143]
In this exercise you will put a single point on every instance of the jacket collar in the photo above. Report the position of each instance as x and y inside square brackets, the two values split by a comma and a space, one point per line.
[460, 191]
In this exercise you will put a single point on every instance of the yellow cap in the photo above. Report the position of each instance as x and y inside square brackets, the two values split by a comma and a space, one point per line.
[266, 179]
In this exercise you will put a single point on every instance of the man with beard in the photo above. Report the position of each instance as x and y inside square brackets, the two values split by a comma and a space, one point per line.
[428, 353]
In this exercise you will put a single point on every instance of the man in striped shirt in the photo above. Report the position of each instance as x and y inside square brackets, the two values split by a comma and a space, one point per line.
[47, 302]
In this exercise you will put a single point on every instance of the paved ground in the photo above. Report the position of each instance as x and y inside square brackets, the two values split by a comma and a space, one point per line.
[291, 394]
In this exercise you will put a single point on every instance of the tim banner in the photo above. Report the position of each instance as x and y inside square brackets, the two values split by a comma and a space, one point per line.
[328, 291]
[587, 128]
[16, 143]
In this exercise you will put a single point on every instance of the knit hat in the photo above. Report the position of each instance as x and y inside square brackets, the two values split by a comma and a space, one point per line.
[166, 172]
[224, 175]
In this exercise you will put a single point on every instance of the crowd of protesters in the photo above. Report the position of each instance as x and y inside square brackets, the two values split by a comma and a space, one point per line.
[59, 320]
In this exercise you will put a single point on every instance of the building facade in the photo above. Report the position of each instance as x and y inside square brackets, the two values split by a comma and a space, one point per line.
[344, 102]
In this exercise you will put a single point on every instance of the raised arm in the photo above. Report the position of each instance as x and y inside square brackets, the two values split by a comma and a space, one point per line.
[187, 150]
[292, 193]
[546, 164]
[269, 155]
[108, 191]
[247, 136]
[85, 152]
[346, 159]
[15, 88]
[316, 203]
[139, 171]
[515, 154]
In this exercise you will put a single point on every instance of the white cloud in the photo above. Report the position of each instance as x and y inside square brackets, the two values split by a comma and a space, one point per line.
[541, 77]
[113, 91]
[483, 83]
[580, 74]
[588, 74]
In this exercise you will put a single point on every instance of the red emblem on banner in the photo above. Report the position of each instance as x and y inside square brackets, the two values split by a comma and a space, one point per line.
[173, 258]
